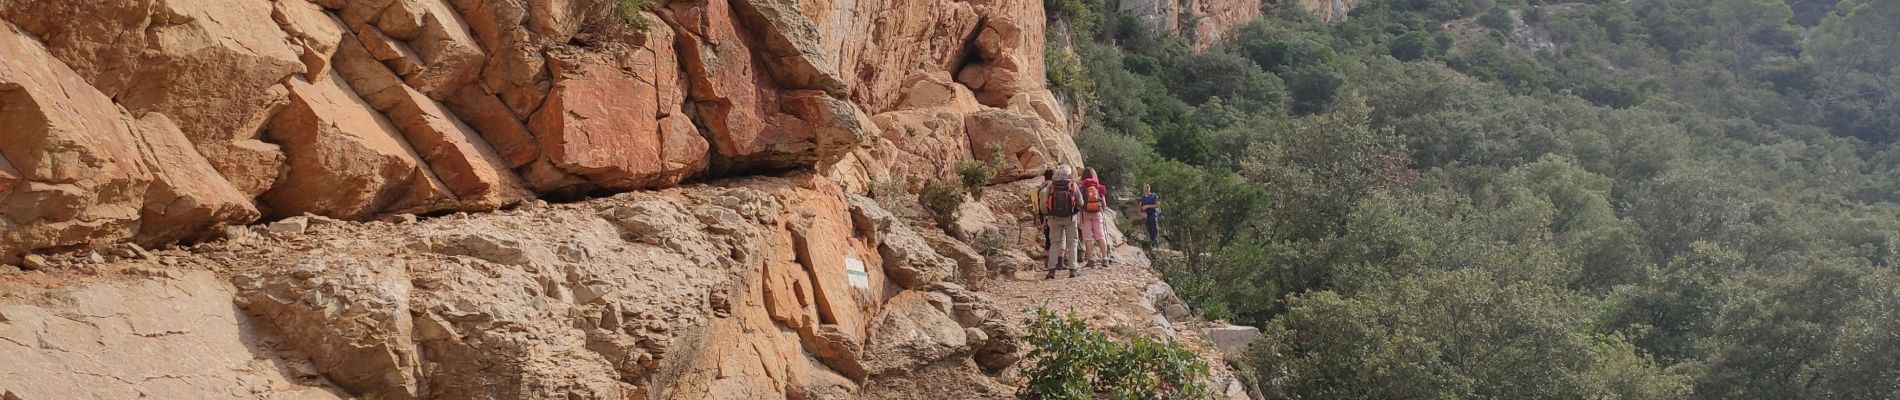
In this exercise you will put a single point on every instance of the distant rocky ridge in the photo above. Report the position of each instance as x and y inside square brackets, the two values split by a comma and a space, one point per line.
[1206, 23]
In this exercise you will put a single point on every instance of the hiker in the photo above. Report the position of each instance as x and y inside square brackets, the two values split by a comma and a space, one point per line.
[1061, 202]
[1036, 202]
[1094, 200]
[1151, 205]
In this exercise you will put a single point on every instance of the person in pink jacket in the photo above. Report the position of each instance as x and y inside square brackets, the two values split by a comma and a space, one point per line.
[1094, 202]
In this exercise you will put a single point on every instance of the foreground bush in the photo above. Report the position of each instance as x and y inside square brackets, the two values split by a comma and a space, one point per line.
[1071, 361]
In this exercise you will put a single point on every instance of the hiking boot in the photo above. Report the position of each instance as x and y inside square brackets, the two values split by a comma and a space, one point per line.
[1051, 275]
[1071, 272]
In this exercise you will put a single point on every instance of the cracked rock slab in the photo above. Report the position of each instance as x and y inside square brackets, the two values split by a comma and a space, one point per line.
[169, 336]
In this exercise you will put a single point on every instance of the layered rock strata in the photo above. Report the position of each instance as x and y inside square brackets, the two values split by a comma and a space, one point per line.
[753, 289]
[223, 113]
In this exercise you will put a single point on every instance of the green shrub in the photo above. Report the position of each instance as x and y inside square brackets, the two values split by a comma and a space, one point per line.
[1071, 361]
[942, 198]
[975, 176]
[1065, 70]
[630, 10]
[890, 194]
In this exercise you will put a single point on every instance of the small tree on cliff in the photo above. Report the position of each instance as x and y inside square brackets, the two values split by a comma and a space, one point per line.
[942, 198]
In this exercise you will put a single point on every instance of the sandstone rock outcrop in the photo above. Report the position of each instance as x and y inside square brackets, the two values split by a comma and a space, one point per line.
[157, 334]
[358, 108]
[294, 112]
[762, 288]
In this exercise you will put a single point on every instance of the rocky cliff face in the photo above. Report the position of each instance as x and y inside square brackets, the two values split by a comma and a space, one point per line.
[161, 121]
[737, 260]
[752, 289]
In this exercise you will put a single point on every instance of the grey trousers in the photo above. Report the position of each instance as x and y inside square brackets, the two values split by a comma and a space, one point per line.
[1064, 241]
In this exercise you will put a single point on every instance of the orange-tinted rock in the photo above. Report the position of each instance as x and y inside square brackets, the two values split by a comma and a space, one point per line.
[189, 199]
[457, 155]
[9, 177]
[731, 93]
[497, 125]
[473, 171]
[926, 137]
[314, 32]
[445, 56]
[913, 36]
[789, 45]
[516, 71]
[346, 161]
[1027, 142]
[606, 124]
[74, 165]
[214, 67]
[837, 127]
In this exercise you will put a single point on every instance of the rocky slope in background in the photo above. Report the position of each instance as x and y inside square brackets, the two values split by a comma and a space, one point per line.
[1205, 23]
[159, 121]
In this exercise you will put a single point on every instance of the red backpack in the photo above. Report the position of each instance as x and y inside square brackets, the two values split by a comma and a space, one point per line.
[1092, 199]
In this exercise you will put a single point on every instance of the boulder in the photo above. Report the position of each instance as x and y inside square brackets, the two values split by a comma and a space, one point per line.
[447, 57]
[314, 32]
[606, 124]
[215, 68]
[289, 226]
[1028, 143]
[973, 218]
[838, 128]
[374, 355]
[770, 100]
[910, 260]
[172, 330]
[347, 161]
[789, 43]
[479, 178]
[1232, 339]
[74, 171]
[188, 200]
[912, 333]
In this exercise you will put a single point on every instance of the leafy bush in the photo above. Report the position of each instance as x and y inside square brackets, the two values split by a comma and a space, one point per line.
[1065, 70]
[1499, 19]
[942, 198]
[1113, 155]
[975, 176]
[1071, 361]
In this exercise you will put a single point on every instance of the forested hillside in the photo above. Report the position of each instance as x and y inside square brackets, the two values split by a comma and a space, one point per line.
[1513, 199]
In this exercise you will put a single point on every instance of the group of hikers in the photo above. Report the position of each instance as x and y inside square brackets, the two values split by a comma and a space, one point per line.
[1071, 216]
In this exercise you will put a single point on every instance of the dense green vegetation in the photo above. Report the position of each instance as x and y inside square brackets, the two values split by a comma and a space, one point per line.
[1071, 361]
[1647, 199]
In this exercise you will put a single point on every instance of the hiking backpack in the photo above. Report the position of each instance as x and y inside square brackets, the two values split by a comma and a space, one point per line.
[1092, 199]
[1061, 199]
